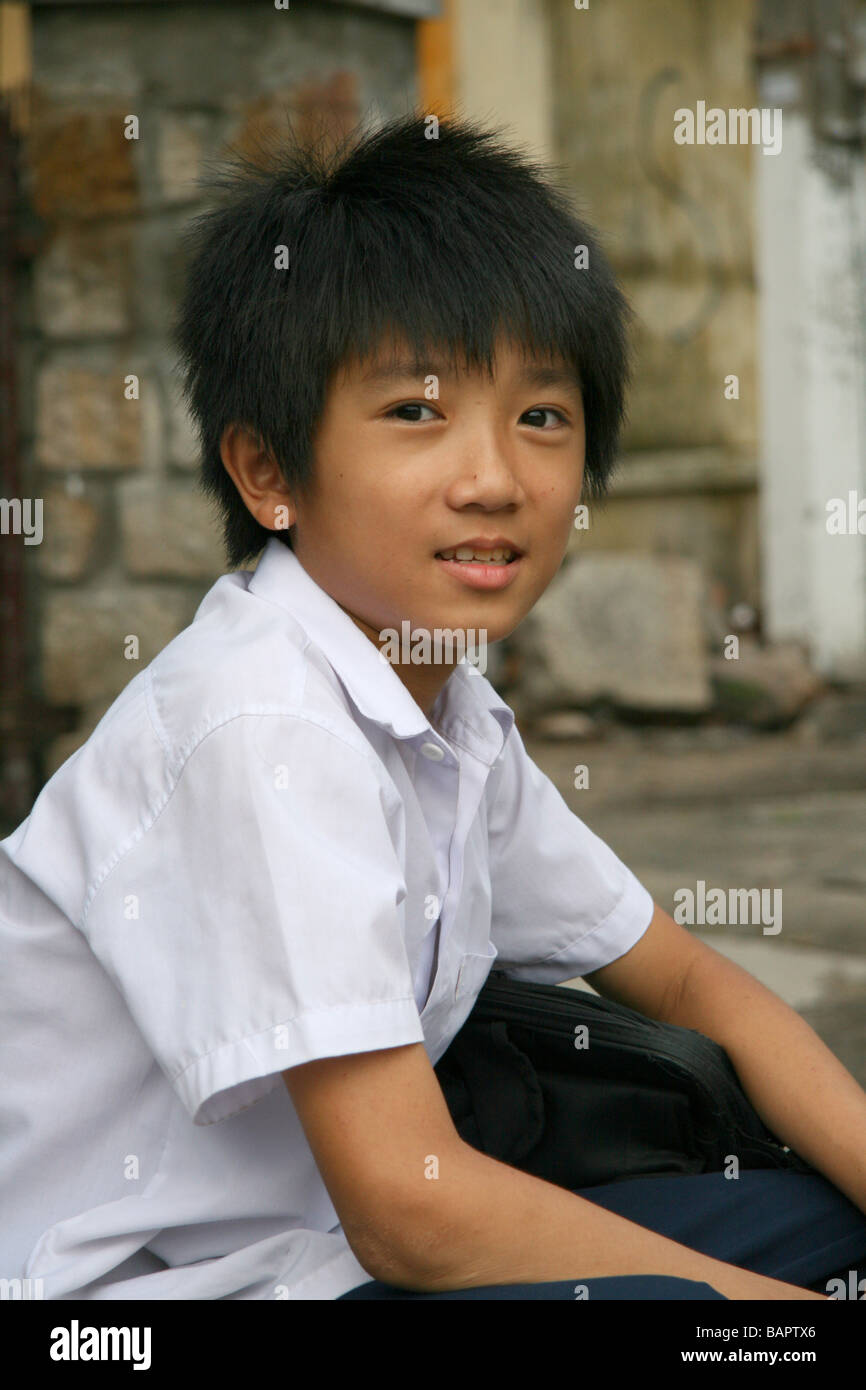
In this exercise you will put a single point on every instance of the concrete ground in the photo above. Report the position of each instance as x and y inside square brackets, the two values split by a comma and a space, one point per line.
[742, 810]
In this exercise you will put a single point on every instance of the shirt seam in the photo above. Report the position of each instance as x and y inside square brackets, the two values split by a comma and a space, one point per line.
[499, 763]
[142, 829]
[153, 715]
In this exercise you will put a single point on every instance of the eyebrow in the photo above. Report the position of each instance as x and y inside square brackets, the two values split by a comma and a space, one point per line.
[410, 368]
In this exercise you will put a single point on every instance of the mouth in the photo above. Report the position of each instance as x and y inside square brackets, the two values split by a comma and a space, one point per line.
[480, 570]
[469, 555]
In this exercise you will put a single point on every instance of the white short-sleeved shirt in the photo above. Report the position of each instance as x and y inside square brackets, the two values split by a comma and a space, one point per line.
[265, 853]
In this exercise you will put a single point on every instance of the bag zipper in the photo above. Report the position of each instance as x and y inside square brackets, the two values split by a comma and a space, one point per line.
[717, 1072]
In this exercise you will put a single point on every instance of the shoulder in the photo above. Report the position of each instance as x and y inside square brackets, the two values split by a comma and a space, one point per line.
[241, 659]
[240, 683]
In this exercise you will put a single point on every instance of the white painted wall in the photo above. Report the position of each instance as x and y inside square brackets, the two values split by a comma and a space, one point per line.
[812, 304]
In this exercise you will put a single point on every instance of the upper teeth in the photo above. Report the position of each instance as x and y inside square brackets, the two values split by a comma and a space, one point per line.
[466, 553]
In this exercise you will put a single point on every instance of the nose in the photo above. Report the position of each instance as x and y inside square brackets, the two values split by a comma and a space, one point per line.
[485, 472]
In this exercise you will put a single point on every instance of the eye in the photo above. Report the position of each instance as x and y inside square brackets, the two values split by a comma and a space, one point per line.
[409, 405]
[545, 410]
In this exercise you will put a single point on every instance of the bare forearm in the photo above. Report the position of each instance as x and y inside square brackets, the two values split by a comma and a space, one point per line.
[803, 1093]
[488, 1223]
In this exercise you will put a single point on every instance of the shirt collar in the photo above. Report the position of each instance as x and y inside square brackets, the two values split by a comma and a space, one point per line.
[469, 711]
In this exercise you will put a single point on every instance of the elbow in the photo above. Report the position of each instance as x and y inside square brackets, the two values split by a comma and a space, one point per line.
[405, 1252]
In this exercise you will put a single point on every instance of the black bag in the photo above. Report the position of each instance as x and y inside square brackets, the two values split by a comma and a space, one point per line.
[642, 1099]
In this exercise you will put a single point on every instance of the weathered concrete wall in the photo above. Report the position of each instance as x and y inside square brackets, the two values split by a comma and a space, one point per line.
[130, 544]
[677, 223]
[678, 217]
[503, 67]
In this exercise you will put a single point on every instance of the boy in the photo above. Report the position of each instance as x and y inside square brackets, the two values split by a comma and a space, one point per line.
[243, 922]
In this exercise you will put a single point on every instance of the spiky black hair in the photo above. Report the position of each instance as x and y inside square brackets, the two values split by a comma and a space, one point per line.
[444, 238]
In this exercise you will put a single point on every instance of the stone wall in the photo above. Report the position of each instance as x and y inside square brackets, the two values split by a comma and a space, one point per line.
[677, 222]
[677, 219]
[130, 543]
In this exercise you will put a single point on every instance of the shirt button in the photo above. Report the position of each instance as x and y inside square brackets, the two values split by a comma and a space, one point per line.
[433, 752]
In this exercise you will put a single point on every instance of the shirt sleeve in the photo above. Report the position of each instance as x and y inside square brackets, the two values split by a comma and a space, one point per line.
[562, 903]
[257, 923]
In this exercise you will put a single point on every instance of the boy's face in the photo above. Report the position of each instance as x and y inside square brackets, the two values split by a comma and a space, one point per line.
[401, 474]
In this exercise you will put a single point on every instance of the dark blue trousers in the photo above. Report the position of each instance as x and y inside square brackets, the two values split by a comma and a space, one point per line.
[796, 1227]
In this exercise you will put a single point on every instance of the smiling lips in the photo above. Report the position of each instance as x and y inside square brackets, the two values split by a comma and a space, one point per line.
[465, 554]
[481, 569]
[478, 549]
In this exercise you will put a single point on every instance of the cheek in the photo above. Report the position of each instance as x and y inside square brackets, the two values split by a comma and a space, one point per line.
[557, 500]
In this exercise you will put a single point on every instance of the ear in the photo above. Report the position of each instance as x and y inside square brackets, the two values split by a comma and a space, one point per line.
[257, 477]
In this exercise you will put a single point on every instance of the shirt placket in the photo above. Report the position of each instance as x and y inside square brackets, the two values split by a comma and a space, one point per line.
[456, 937]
